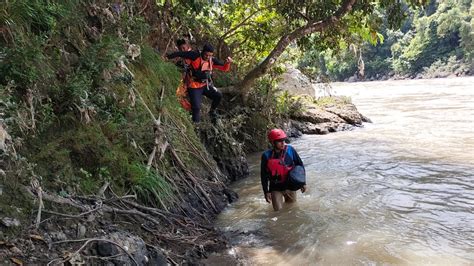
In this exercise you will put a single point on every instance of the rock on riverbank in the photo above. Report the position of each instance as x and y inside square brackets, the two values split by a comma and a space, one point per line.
[335, 116]
[321, 112]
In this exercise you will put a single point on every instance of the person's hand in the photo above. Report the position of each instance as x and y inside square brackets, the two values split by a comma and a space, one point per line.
[268, 197]
[229, 60]
[303, 189]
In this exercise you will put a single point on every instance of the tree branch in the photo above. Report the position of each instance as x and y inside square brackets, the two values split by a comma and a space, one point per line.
[285, 40]
[243, 22]
[304, 16]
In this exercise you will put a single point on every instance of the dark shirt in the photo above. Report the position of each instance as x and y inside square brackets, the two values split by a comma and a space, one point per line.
[196, 72]
[193, 55]
[291, 159]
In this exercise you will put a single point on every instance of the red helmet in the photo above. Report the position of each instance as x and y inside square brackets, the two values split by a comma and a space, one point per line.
[276, 134]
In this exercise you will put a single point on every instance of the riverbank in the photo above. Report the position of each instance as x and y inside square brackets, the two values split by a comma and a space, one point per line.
[105, 223]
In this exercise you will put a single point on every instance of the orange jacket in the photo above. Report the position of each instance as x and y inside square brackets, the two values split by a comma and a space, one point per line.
[200, 70]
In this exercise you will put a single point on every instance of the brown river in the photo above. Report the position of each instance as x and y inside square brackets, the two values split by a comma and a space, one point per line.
[397, 191]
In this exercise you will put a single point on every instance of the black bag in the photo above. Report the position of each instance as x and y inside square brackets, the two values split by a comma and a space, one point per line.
[297, 177]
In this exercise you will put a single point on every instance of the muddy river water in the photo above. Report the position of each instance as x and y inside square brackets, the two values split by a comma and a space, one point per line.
[397, 191]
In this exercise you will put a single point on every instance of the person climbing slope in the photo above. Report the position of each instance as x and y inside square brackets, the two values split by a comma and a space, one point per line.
[200, 83]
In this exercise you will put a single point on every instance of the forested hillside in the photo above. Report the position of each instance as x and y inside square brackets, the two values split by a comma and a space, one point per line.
[436, 41]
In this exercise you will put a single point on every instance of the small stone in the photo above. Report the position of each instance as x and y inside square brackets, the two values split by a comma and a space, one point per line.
[58, 236]
[9, 222]
[15, 250]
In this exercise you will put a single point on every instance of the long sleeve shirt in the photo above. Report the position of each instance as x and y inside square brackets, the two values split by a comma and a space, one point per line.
[291, 159]
[193, 55]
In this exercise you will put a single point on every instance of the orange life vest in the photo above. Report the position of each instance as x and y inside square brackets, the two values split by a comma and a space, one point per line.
[182, 90]
[201, 72]
[182, 95]
[277, 167]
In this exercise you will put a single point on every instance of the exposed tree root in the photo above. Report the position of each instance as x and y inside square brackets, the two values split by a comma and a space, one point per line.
[165, 226]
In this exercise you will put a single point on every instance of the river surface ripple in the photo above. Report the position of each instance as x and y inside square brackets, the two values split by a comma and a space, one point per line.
[397, 191]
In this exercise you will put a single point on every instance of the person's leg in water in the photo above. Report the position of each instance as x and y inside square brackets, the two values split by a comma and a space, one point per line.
[216, 96]
[290, 196]
[277, 200]
[195, 97]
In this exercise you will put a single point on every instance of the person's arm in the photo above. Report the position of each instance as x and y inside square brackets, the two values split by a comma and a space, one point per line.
[264, 174]
[218, 64]
[185, 54]
[296, 158]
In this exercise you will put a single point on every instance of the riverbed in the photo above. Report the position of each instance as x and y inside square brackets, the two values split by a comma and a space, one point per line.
[399, 190]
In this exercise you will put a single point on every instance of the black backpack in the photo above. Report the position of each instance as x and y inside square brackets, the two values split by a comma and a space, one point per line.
[297, 177]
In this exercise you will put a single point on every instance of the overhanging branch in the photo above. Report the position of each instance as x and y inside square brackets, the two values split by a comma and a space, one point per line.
[285, 40]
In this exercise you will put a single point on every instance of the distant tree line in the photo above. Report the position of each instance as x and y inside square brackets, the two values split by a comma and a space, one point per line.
[435, 41]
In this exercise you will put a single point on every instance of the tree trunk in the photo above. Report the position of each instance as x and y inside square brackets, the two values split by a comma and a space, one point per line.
[249, 79]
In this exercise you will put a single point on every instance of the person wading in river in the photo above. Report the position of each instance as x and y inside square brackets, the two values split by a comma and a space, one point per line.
[275, 167]
[201, 66]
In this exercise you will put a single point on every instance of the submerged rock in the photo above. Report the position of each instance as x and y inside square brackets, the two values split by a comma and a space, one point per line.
[232, 196]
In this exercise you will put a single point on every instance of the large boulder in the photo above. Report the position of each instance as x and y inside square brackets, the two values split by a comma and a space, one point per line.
[296, 83]
[331, 116]
[347, 112]
[315, 115]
